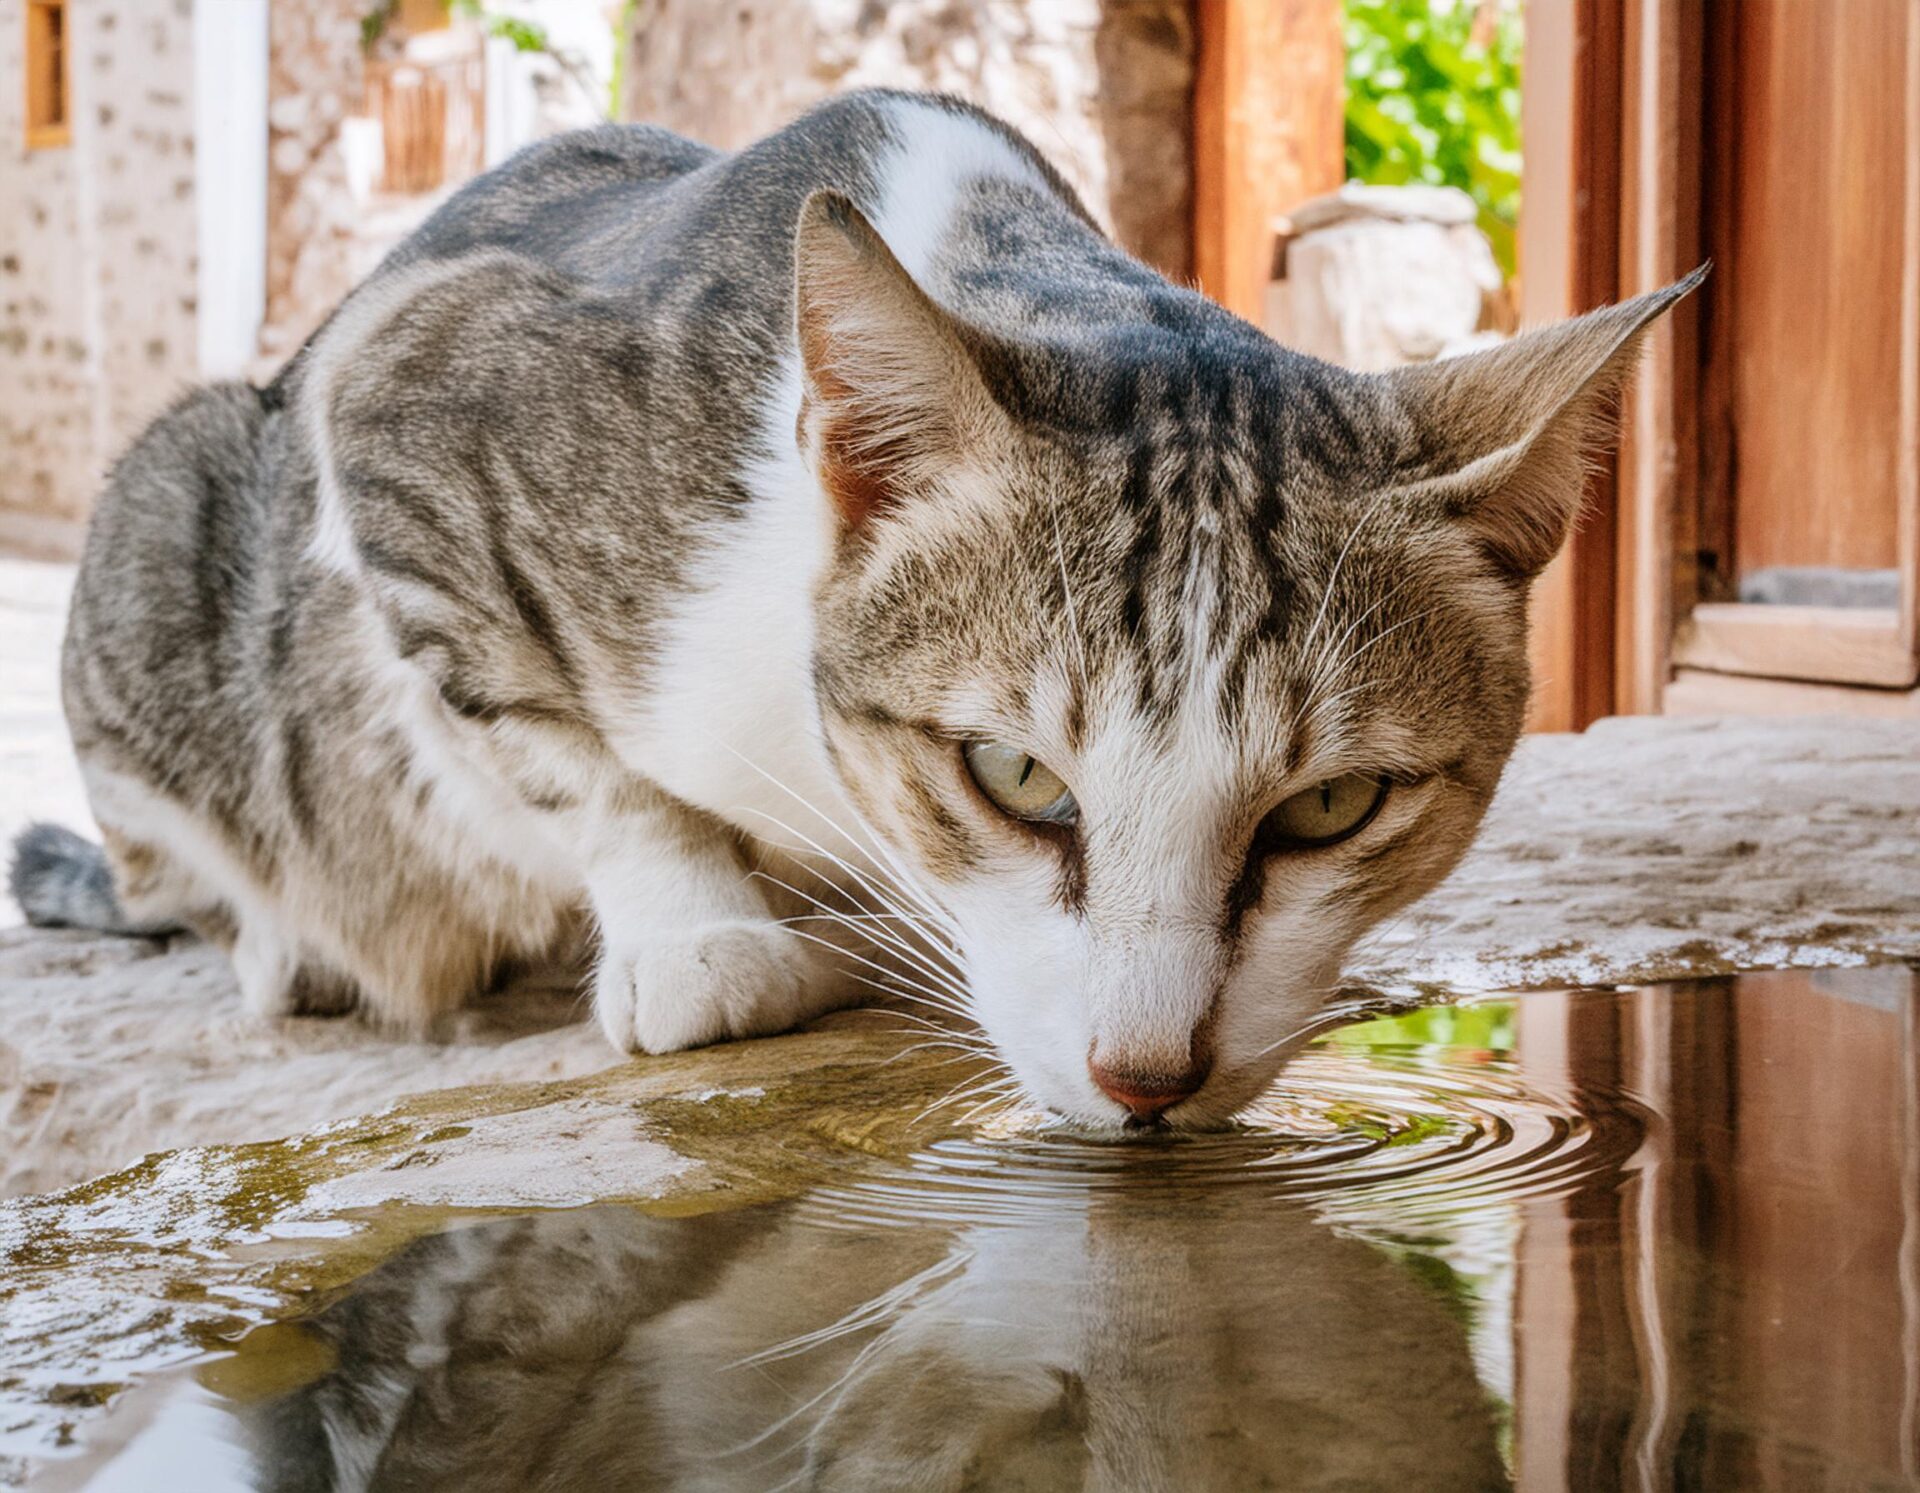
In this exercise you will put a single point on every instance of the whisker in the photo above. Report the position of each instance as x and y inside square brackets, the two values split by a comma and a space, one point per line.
[996, 1104]
[939, 975]
[924, 1021]
[1381, 636]
[932, 1002]
[1316, 699]
[1339, 563]
[855, 911]
[960, 1095]
[872, 846]
[840, 917]
[1334, 645]
[897, 939]
[921, 923]
[1320, 704]
[872, 888]
[934, 997]
[869, 1314]
[946, 1037]
[966, 1055]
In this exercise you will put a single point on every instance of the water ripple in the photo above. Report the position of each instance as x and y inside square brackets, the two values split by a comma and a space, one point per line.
[1410, 1133]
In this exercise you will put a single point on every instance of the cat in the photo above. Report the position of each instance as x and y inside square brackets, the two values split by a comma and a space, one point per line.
[1088, 1338]
[825, 566]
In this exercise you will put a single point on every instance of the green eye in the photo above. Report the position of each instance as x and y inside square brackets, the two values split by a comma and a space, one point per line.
[1327, 812]
[1019, 784]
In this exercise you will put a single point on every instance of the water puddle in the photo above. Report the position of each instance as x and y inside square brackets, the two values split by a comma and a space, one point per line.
[1659, 1238]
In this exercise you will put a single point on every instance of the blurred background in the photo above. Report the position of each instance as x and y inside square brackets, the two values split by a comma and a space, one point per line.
[187, 187]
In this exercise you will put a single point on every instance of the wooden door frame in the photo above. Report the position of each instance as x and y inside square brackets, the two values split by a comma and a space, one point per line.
[1660, 181]
[1262, 143]
[1569, 251]
[1268, 133]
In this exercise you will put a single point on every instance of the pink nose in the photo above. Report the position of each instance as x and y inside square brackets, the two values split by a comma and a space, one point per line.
[1147, 1095]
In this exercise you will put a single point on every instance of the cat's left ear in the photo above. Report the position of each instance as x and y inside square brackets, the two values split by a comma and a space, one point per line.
[1511, 427]
[891, 397]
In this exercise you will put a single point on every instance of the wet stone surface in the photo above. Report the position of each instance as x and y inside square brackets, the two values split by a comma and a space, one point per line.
[1585, 1239]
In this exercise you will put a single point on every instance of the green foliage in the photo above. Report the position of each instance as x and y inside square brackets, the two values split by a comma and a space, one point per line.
[524, 36]
[1431, 101]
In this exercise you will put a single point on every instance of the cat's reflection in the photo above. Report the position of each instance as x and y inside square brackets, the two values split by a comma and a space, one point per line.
[1115, 1339]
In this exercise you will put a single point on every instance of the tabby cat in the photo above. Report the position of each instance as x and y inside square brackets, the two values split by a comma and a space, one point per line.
[829, 565]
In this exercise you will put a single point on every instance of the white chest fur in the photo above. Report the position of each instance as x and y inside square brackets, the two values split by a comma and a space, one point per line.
[729, 723]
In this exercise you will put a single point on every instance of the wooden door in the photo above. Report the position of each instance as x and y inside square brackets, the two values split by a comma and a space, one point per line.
[1268, 92]
[1811, 142]
[1776, 421]
[1808, 151]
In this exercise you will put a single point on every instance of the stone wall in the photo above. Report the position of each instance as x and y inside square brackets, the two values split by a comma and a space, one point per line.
[1103, 87]
[315, 73]
[97, 268]
[325, 233]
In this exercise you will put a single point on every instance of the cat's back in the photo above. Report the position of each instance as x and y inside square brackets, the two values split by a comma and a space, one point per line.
[573, 202]
[624, 210]
[694, 239]
[626, 277]
[170, 581]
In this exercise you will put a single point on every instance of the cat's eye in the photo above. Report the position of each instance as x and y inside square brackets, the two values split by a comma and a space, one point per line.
[1326, 813]
[1019, 784]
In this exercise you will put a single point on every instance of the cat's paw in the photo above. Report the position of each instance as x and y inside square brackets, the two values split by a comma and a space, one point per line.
[685, 988]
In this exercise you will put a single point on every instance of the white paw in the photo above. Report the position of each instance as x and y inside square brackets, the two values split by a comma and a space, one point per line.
[680, 989]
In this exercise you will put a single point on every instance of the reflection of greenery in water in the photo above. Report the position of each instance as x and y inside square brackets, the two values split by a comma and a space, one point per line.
[1469, 1270]
[1468, 1264]
[1433, 96]
[1390, 1130]
[1485, 1026]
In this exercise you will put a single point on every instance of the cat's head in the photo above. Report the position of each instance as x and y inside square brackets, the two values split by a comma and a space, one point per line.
[1169, 660]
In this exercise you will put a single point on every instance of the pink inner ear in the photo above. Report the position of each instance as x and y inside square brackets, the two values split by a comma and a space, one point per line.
[852, 464]
[855, 475]
[864, 448]
[851, 470]
[889, 397]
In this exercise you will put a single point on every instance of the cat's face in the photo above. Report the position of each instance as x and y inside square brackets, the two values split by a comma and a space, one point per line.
[1161, 806]
[1171, 665]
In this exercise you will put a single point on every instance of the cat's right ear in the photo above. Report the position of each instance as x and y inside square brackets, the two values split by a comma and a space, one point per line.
[1509, 429]
[891, 400]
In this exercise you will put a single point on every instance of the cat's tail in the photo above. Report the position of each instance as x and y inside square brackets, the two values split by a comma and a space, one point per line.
[63, 881]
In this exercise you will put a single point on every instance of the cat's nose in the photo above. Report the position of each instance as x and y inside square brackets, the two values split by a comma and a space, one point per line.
[1147, 1095]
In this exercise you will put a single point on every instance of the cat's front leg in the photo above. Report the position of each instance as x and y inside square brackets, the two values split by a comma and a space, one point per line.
[690, 952]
